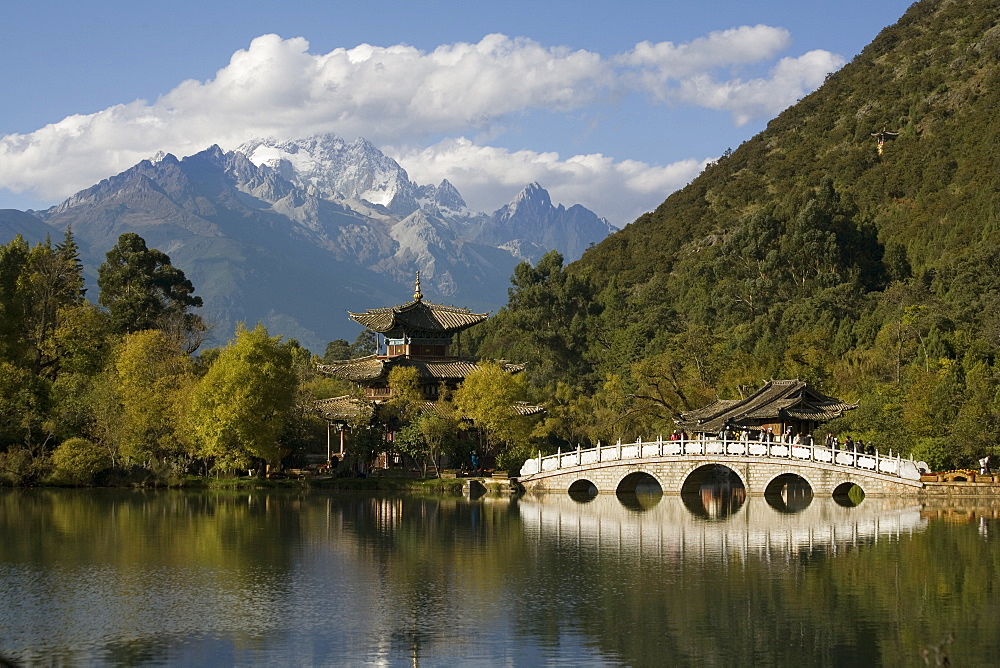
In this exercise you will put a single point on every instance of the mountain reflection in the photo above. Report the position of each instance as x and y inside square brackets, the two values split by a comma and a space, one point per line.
[180, 578]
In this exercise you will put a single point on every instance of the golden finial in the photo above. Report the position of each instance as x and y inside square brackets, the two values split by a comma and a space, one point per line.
[416, 292]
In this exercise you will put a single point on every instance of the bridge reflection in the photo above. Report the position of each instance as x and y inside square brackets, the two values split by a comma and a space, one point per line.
[717, 523]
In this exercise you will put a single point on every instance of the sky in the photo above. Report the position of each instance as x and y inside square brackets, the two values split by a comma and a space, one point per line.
[612, 105]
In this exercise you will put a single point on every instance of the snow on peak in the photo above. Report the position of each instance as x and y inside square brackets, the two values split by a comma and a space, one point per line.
[335, 168]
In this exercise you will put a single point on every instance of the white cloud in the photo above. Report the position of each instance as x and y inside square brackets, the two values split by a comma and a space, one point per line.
[724, 48]
[488, 177]
[402, 96]
[790, 79]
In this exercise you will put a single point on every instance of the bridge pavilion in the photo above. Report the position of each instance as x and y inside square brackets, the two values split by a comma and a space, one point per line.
[779, 405]
[418, 334]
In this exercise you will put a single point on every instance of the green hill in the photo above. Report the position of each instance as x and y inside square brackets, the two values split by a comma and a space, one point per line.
[805, 253]
[932, 78]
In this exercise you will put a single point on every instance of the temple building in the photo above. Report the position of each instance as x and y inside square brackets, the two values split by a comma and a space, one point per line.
[418, 334]
[882, 137]
[779, 405]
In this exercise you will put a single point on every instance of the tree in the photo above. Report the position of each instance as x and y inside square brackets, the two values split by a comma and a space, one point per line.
[24, 405]
[427, 437]
[488, 397]
[364, 345]
[54, 282]
[142, 290]
[14, 300]
[545, 320]
[339, 349]
[239, 407]
[151, 378]
[405, 398]
[76, 461]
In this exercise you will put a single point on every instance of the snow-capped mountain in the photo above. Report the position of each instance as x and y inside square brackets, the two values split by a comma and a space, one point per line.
[528, 226]
[295, 233]
[335, 168]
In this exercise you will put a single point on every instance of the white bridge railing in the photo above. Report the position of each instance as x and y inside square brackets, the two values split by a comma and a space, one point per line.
[888, 465]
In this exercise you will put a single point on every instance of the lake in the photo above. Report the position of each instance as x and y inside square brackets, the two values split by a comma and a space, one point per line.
[136, 578]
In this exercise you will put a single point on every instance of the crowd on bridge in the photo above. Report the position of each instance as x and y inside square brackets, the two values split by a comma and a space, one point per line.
[730, 432]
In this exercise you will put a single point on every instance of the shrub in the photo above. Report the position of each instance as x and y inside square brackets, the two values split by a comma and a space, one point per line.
[20, 467]
[513, 458]
[934, 450]
[76, 461]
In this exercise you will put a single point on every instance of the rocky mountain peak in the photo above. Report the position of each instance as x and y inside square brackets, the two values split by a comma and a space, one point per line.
[533, 200]
[358, 170]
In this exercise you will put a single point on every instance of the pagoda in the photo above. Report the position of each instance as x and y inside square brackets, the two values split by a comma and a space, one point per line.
[417, 334]
[882, 137]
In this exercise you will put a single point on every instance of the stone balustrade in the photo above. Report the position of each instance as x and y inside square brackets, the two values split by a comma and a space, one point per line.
[708, 448]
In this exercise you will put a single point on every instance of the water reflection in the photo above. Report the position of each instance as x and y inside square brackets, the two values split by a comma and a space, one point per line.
[715, 501]
[153, 578]
[704, 527]
[713, 492]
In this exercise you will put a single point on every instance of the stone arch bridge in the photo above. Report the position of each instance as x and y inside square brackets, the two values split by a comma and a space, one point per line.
[681, 467]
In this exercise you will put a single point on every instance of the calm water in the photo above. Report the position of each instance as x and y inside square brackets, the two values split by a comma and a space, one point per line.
[181, 578]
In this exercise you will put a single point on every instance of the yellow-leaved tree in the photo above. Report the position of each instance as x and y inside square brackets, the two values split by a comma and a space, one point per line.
[239, 408]
[146, 399]
[488, 396]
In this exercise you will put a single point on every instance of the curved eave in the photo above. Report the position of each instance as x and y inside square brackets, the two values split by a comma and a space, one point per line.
[342, 409]
[358, 369]
[418, 316]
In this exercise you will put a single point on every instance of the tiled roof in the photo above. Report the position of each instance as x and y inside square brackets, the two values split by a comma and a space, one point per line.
[348, 408]
[418, 315]
[522, 408]
[776, 400]
[374, 367]
[358, 369]
[342, 409]
[525, 409]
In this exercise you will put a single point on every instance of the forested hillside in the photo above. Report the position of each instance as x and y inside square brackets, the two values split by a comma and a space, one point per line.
[804, 253]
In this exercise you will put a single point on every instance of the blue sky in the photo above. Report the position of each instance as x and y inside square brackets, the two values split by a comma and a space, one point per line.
[612, 105]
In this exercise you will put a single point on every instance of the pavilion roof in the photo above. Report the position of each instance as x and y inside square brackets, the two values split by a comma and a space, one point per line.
[777, 400]
[342, 409]
[418, 315]
[347, 408]
[377, 367]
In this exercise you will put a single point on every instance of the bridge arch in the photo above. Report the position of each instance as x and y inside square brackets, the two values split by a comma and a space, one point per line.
[789, 492]
[639, 490]
[699, 473]
[638, 481]
[583, 490]
[713, 491]
[849, 493]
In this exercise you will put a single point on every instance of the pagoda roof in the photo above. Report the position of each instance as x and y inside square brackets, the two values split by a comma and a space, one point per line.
[376, 367]
[342, 409]
[418, 315]
[776, 400]
[347, 408]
